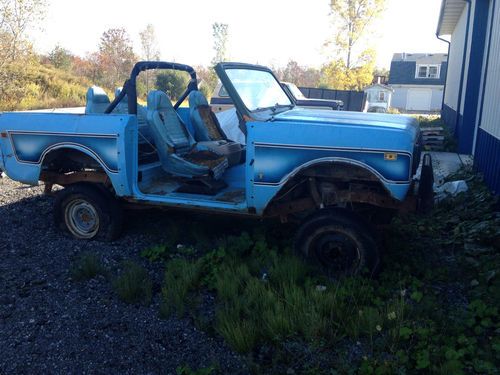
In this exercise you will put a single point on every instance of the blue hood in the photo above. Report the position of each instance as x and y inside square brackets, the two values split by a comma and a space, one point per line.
[380, 120]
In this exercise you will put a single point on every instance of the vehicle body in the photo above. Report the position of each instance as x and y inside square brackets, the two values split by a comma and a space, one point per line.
[297, 161]
[221, 101]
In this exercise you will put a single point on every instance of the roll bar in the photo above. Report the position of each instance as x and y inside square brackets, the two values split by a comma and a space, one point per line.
[130, 85]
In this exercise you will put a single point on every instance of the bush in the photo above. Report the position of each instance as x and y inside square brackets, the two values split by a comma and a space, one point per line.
[134, 284]
[86, 267]
[181, 277]
[433, 309]
[31, 85]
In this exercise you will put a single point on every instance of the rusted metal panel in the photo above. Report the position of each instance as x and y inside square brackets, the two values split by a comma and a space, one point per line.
[73, 177]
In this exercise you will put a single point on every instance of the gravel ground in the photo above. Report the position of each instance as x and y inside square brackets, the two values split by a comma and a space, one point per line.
[52, 324]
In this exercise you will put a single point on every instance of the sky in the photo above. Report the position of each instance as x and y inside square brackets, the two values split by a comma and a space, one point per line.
[268, 32]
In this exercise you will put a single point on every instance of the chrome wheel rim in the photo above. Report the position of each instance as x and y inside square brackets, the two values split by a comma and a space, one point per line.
[82, 219]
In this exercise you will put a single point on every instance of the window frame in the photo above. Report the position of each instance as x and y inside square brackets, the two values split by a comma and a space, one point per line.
[427, 71]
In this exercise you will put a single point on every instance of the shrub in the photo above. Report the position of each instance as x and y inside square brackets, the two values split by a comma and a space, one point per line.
[134, 284]
[181, 276]
[86, 267]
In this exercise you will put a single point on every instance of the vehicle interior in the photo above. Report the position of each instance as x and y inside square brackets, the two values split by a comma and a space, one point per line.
[182, 149]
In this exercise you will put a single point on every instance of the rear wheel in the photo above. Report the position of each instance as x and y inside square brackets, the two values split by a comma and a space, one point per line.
[88, 212]
[339, 243]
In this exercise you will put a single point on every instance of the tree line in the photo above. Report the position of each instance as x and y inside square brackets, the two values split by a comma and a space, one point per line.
[29, 79]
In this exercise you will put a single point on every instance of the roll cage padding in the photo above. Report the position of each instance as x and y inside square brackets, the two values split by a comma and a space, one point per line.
[130, 85]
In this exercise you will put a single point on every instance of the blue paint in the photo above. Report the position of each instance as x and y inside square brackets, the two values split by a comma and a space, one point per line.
[403, 73]
[274, 163]
[487, 159]
[485, 76]
[449, 117]
[31, 147]
[277, 147]
[467, 122]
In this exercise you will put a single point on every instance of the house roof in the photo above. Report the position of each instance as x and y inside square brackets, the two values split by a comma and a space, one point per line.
[451, 10]
[421, 58]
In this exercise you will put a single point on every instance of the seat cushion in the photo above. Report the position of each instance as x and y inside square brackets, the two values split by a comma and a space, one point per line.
[203, 119]
[97, 100]
[165, 123]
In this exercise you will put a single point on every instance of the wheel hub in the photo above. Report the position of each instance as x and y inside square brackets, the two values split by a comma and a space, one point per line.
[337, 251]
[82, 219]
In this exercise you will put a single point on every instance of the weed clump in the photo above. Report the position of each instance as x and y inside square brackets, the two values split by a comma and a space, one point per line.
[86, 267]
[181, 277]
[134, 285]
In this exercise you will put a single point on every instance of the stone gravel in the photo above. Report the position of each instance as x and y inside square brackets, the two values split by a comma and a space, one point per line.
[50, 323]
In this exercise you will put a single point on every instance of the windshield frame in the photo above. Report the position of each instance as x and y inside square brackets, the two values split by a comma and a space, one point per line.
[262, 113]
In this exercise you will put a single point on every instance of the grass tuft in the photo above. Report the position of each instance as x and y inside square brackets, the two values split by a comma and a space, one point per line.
[181, 276]
[134, 284]
[86, 267]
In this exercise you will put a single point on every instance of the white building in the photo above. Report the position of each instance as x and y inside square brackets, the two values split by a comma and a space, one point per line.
[378, 97]
[418, 81]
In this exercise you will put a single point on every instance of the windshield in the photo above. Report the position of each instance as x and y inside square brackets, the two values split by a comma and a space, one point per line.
[295, 91]
[258, 89]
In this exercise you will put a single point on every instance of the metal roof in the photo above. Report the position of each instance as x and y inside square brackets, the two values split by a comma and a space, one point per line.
[422, 58]
[451, 10]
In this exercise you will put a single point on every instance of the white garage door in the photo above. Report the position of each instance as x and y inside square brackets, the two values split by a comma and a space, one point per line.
[419, 100]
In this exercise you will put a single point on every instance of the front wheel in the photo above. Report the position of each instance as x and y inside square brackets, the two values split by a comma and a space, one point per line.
[87, 212]
[339, 243]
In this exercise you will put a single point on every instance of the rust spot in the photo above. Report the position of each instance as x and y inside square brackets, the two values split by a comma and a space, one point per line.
[3, 134]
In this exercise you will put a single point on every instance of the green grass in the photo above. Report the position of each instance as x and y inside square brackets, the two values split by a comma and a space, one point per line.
[134, 285]
[87, 266]
[433, 309]
[32, 85]
[450, 143]
[181, 277]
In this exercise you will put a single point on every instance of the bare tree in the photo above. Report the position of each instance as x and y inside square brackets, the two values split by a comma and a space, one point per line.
[16, 18]
[150, 51]
[149, 44]
[220, 33]
[352, 19]
[116, 57]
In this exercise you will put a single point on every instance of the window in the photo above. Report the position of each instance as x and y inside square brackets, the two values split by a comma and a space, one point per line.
[258, 89]
[381, 96]
[428, 71]
[223, 92]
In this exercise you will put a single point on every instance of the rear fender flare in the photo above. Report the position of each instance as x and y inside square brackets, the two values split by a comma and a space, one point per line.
[113, 176]
[78, 147]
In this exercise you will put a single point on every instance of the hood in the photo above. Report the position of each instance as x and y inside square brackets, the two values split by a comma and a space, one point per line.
[344, 118]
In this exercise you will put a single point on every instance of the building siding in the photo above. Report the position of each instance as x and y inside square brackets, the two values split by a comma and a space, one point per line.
[487, 141]
[455, 63]
[403, 73]
[400, 96]
[487, 159]
[468, 122]
[490, 108]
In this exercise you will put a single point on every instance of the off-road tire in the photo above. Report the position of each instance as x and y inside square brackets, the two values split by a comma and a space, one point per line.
[342, 232]
[95, 199]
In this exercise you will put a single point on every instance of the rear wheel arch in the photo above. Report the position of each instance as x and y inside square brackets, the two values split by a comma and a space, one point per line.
[70, 156]
[67, 165]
